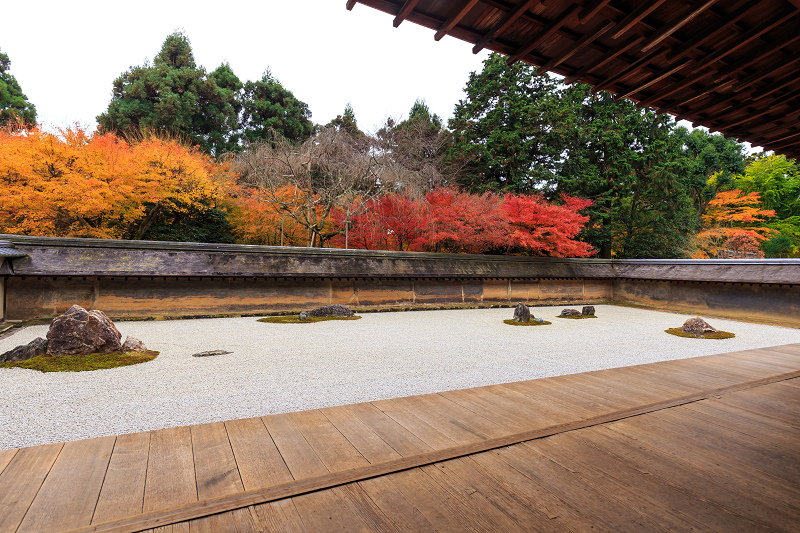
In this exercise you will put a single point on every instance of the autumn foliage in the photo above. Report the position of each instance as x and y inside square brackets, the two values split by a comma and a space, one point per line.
[448, 220]
[76, 184]
[732, 223]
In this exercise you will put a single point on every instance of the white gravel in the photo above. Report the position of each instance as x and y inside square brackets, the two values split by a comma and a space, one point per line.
[278, 368]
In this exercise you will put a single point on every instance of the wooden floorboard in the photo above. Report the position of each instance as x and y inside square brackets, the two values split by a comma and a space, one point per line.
[702, 444]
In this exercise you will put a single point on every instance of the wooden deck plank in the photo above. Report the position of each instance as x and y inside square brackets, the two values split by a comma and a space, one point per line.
[335, 451]
[393, 503]
[238, 521]
[6, 456]
[721, 413]
[734, 497]
[657, 490]
[280, 516]
[481, 403]
[336, 510]
[20, 482]
[570, 487]
[214, 465]
[416, 426]
[759, 492]
[297, 453]
[392, 433]
[68, 496]
[371, 446]
[766, 407]
[257, 458]
[456, 422]
[170, 470]
[123, 488]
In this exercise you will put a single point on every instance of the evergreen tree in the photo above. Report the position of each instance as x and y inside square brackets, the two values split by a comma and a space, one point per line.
[174, 95]
[346, 122]
[14, 105]
[269, 106]
[710, 154]
[503, 129]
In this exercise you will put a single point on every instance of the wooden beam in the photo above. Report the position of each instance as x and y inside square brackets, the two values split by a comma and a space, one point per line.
[640, 87]
[591, 10]
[749, 116]
[350, 4]
[582, 43]
[683, 19]
[618, 50]
[627, 69]
[545, 34]
[454, 19]
[407, 8]
[761, 56]
[634, 18]
[508, 19]
[712, 30]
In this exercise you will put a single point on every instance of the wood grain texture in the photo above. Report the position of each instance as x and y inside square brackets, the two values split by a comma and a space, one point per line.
[21, 480]
[123, 487]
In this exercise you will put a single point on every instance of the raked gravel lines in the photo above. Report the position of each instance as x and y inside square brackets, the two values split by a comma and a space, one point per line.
[277, 368]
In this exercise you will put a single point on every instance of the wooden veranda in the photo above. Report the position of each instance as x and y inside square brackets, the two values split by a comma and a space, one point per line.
[709, 443]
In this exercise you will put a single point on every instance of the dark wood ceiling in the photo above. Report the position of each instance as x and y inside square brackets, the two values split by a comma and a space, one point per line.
[729, 65]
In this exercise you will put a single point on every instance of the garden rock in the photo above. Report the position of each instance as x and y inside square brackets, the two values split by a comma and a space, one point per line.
[132, 344]
[328, 310]
[210, 353]
[79, 332]
[588, 310]
[522, 313]
[37, 346]
[570, 312]
[697, 326]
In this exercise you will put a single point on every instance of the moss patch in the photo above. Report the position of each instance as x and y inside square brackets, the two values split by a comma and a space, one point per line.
[78, 363]
[511, 322]
[578, 317]
[718, 335]
[295, 319]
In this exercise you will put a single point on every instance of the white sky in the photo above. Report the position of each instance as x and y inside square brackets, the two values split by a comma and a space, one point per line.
[66, 54]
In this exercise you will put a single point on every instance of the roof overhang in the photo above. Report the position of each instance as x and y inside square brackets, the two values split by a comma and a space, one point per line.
[729, 65]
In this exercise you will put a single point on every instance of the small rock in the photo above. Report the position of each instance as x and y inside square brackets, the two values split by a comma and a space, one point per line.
[37, 346]
[210, 353]
[79, 331]
[697, 326]
[132, 344]
[328, 310]
[539, 320]
[570, 312]
[588, 310]
[522, 313]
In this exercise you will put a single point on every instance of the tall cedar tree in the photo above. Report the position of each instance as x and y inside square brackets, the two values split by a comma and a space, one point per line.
[630, 162]
[173, 95]
[268, 106]
[710, 154]
[14, 105]
[503, 130]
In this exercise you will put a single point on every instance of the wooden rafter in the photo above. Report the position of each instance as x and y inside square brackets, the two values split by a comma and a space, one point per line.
[634, 18]
[620, 49]
[508, 19]
[682, 20]
[711, 31]
[351, 4]
[454, 19]
[591, 10]
[545, 34]
[407, 8]
[582, 43]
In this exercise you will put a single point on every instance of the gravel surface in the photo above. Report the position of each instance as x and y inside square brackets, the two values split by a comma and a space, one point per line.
[278, 368]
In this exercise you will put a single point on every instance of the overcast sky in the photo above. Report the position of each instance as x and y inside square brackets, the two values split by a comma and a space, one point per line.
[66, 54]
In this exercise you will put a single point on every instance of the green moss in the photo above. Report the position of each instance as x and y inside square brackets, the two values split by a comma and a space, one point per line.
[579, 317]
[78, 363]
[718, 335]
[511, 322]
[295, 319]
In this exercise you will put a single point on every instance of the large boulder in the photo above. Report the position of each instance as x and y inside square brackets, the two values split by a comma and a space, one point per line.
[697, 326]
[570, 312]
[37, 346]
[79, 331]
[588, 310]
[522, 313]
[328, 310]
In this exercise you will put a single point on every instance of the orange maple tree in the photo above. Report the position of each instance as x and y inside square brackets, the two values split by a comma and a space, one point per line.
[76, 184]
[733, 218]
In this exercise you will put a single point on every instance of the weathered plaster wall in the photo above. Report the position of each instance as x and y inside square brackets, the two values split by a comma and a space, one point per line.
[130, 279]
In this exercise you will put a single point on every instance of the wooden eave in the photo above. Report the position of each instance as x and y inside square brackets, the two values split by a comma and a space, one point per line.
[729, 65]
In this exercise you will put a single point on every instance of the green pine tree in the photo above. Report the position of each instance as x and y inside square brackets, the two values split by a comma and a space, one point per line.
[14, 105]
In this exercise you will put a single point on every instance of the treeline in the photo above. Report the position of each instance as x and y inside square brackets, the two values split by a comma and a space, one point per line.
[526, 166]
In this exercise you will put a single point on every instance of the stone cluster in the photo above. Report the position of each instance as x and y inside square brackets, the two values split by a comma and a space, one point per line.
[77, 332]
[328, 310]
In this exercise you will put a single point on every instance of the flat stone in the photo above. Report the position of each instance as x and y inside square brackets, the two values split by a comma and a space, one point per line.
[132, 344]
[210, 353]
[328, 310]
[570, 312]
